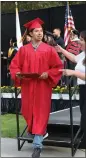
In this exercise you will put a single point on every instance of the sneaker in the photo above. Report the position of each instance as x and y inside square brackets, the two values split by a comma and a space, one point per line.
[45, 136]
[36, 153]
[30, 135]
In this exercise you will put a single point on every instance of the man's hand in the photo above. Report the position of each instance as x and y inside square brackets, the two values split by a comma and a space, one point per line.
[44, 75]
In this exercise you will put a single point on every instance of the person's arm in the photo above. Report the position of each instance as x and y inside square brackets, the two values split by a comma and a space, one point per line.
[80, 75]
[76, 73]
[67, 54]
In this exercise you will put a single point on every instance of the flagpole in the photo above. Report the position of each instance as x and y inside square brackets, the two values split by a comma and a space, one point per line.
[18, 29]
[68, 7]
[71, 111]
[25, 33]
[16, 4]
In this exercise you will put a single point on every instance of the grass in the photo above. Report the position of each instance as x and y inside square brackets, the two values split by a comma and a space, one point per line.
[9, 126]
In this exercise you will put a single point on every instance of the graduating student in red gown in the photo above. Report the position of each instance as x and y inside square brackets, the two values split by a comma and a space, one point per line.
[36, 57]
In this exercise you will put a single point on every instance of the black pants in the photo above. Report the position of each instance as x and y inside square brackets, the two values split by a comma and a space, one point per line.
[82, 91]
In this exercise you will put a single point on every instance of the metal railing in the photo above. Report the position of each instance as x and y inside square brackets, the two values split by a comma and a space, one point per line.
[75, 140]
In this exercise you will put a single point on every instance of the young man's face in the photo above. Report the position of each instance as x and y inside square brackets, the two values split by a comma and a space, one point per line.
[37, 34]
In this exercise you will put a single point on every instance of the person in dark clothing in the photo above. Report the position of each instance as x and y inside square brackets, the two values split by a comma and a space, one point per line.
[12, 50]
[3, 69]
[59, 40]
[11, 53]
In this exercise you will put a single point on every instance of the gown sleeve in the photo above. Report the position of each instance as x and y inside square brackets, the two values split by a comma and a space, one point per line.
[55, 64]
[16, 66]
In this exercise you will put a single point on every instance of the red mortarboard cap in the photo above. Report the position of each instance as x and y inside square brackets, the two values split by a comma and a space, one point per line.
[36, 23]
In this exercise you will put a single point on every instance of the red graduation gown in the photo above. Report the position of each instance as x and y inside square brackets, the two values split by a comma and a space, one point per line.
[36, 93]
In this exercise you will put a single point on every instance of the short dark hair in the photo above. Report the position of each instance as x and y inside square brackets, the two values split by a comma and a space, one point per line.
[76, 32]
[57, 29]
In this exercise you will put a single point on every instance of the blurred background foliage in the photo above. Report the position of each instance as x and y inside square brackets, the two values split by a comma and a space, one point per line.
[9, 6]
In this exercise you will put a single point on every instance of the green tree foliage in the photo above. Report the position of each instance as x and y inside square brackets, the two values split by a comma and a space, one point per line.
[9, 6]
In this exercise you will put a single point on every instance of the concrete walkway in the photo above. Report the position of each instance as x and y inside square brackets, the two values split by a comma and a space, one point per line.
[9, 149]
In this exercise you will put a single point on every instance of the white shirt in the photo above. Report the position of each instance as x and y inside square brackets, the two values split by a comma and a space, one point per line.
[80, 67]
[76, 39]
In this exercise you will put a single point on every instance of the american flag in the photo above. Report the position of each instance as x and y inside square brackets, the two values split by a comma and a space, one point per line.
[69, 24]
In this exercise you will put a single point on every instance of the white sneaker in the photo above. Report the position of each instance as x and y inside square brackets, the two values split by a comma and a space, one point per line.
[45, 136]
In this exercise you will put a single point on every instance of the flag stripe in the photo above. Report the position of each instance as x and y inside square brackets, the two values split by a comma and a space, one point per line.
[69, 24]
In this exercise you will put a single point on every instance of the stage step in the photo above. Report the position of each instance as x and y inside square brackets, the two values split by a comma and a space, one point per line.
[62, 134]
[59, 135]
[52, 140]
